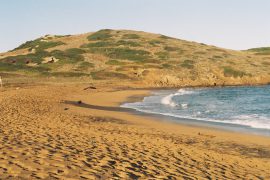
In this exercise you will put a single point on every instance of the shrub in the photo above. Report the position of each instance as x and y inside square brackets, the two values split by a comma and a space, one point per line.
[75, 51]
[189, 64]
[155, 42]
[39, 45]
[111, 44]
[131, 36]
[104, 34]
[166, 66]
[200, 52]
[163, 55]
[129, 54]
[217, 57]
[122, 53]
[114, 62]
[127, 43]
[169, 48]
[21, 59]
[70, 55]
[83, 66]
[230, 72]
[21, 67]
[260, 50]
[98, 44]
[165, 37]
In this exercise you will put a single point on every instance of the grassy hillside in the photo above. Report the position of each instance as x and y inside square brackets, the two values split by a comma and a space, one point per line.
[151, 59]
[260, 51]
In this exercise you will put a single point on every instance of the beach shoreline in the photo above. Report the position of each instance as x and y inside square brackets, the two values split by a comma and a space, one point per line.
[134, 97]
[230, 127]
[101, 141]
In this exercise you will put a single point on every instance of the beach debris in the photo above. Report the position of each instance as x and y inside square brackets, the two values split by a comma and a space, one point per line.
[66, 108]
[90, 87]
[79, 102]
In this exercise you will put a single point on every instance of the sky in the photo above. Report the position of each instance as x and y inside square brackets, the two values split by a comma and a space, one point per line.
[232, 24]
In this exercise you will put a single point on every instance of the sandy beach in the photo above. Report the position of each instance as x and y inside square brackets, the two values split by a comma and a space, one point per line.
[45, 136]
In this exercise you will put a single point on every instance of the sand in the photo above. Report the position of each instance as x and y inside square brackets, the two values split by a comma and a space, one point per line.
[43, 137]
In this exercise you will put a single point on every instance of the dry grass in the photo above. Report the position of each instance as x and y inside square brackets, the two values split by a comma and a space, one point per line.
[98, 49]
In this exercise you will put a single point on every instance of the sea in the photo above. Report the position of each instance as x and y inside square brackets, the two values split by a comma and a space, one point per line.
[244, 109]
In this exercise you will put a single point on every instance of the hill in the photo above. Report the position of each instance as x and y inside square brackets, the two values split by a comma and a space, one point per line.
[137, 57]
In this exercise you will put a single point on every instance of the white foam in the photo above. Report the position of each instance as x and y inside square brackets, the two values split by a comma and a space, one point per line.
[243, 120]
[253, 120]
[184, 91]
[168, 100]
[184, 105]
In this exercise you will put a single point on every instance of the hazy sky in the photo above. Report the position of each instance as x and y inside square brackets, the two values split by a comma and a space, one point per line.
[234, 24]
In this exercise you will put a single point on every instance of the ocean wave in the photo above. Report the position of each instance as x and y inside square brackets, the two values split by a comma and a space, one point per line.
[207, 107]
[253, 120]
[168, 100]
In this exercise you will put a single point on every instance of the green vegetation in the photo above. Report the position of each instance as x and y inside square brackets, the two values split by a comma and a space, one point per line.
[167, 66]
[71, 55]
[60, 36]
[165, 37]
[39, 44]
[122, 53]
[98, 44]
[230, 72]
[217, 57]
[217, 50]
[155, 42]
[131, 36]
[20, 62]
[111, 44]
[114, 54]
[200, 52]
[170, 48]
[127, 43]
[83, 66]
[129, 54]
[114, 62]
[103, 35]
[261, 51]
[189, 64]
[68, 56]
[8, 67]
[163, 55]
[23, 59]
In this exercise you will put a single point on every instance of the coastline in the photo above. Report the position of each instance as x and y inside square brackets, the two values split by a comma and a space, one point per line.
[135, 97]
[230, 127]
[112, 109]
[67, 141]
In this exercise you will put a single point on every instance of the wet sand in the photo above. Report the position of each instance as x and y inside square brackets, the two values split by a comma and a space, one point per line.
[44, 137]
